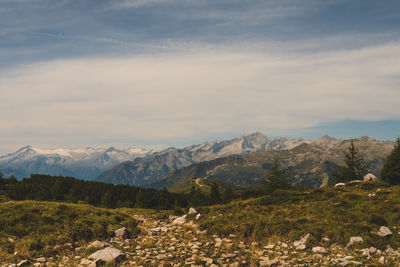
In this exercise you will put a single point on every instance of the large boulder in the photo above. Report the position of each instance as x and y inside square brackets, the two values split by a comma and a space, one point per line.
[107, 254]
[121, 233]
[192, 211]
[370, 177]
[384, 232]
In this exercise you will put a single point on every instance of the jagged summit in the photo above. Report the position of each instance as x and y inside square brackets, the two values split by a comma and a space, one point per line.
[84, 163]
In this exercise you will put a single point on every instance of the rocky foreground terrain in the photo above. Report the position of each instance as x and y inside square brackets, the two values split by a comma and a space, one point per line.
[178, 241]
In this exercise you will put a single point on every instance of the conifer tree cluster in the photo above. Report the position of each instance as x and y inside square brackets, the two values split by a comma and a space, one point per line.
[355, 165]
[391, 170]
[276, 178]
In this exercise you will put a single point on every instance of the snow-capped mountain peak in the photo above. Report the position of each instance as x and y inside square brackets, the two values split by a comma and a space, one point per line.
[85, 163]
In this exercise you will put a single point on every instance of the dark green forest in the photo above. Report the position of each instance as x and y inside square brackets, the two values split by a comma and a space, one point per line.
[68, 189]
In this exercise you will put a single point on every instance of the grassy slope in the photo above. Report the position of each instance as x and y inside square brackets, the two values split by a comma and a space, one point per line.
[337, 213]
[46, 228]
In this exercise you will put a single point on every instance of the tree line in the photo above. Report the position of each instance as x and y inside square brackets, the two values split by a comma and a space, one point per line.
[58, 188]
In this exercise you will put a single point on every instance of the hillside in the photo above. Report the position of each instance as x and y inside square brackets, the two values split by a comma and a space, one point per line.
[150, 169]
[306, 164]
[32, 229]
[260, 231]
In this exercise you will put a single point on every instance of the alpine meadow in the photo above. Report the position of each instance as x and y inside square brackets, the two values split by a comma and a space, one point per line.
[199, 133]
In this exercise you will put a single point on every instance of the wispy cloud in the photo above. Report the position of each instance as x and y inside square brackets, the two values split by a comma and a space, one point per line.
[202, 92]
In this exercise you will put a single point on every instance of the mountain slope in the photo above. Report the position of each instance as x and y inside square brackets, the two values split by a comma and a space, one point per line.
[84, 163]
[150, 169]
[306, 164]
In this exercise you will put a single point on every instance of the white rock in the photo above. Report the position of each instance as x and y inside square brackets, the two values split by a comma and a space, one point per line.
[107, 254]
[372, 250]
[382, 260]
[384, 231]
[121, 233]
[355, 239]
[355, 181]
[97, 245]
[41, 259]
[370, 177]
[340, 184]
[23, 263]
[321, 250]
[179, 220]
[301, 247]
[192, 211]
[198, 216]
[88, 263]
[302, 241]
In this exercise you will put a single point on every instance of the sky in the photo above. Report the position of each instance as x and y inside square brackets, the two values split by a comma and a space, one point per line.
[159, 73]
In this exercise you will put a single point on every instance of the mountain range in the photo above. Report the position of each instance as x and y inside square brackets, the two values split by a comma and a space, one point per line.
[147, 170]
[309, 164]
[243, 160]
[86, 163]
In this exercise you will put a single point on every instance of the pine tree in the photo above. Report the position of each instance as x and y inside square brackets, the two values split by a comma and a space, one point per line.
[391, 169]
[215, 195]
[2, 182]
[276, 178]
[355, 168]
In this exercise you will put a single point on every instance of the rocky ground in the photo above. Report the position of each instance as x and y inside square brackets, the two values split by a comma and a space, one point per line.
[177, 241]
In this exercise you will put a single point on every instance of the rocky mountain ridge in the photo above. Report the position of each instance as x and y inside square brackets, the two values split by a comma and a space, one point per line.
[307, 164]
[84, 163]
[152, 169]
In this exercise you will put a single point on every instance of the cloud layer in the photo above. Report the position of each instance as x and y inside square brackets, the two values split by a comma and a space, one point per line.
[199, 92]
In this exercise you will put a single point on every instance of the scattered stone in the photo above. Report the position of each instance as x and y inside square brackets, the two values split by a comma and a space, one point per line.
[41, 259]
[370, 177]
[107, 254]
[198, 216]
[353, 240]
[344, 261]
[192, 211]
[384, 232]
[340, 184]
[23, 263]
[121, 233]
[179, 220]
[382, 260]
[89, 263]
[321, 250]
[301, 244]
[97, 245]
[372, 250]
[355, 181]
[326, 240]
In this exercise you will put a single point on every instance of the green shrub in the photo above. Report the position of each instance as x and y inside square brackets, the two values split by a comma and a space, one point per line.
[377, 220]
